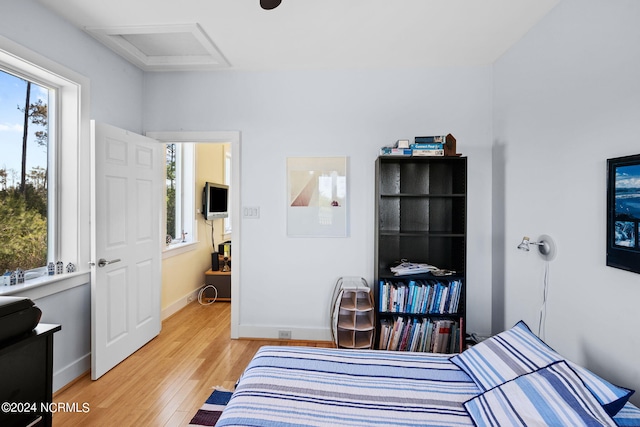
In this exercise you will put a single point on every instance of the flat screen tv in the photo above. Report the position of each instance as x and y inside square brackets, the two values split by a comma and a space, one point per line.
[215, 201]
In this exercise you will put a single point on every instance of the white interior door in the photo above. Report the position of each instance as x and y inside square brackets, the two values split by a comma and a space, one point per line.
[128, 172]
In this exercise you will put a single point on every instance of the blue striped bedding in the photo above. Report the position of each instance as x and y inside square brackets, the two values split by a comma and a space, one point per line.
[304, 386]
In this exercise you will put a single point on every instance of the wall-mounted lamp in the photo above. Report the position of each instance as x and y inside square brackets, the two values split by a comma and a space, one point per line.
[269, 4]
[546, 246]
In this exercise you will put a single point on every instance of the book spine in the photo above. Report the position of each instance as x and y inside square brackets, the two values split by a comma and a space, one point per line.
[427, 146]
[430, 139]
[421, 152]
[388, 151]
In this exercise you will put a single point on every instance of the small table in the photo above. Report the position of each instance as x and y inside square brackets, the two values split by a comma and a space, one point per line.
[222, 281]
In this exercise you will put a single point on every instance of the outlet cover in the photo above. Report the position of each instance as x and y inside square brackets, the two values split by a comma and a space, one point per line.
[284, 335]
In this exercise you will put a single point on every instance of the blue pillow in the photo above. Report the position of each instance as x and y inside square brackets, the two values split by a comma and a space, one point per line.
[518, 351]
[551, 396]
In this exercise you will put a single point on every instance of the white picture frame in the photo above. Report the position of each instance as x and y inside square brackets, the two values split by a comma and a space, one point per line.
[317, 197]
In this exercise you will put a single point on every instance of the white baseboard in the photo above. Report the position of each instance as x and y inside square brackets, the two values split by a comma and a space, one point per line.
[179, 304]
[72, 371]
[271, 332]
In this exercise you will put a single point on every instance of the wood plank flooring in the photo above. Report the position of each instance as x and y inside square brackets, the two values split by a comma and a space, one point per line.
[166, 381]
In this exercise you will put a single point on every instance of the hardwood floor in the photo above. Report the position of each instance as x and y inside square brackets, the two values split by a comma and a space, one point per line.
[165, 382]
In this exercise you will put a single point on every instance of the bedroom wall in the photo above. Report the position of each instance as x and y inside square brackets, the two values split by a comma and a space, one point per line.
[286, 283]
[116, 96]
[566, 98]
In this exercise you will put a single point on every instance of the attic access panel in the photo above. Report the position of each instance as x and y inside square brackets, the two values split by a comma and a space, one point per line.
[162, 47]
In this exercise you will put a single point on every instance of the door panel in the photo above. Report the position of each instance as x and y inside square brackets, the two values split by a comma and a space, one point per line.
[126, 244]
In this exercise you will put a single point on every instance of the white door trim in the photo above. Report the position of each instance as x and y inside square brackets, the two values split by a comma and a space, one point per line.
[232, 137]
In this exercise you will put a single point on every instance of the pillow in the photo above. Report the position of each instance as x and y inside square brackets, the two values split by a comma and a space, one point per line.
[551, 396]
[518, 351]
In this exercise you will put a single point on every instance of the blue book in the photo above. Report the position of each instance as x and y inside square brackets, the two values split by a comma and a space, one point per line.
[430, 139]
[427, 146]
[427, 298]
[436, 306]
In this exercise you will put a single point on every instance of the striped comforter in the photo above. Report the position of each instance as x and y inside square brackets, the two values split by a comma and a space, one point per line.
[302, 386]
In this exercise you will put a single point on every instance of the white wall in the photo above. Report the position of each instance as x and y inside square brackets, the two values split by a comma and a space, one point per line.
[116, 85]
[286, 283]
[116, 98]
[566, 98]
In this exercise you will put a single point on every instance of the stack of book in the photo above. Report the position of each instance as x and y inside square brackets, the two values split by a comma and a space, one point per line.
[438, 145]
[428, 146]
[424, 335]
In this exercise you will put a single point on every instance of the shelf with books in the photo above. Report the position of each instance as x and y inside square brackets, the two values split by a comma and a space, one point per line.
[408, 295]
[431, 335]
[421, 217]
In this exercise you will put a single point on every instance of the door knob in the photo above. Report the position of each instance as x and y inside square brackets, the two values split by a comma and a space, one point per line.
[103, 262]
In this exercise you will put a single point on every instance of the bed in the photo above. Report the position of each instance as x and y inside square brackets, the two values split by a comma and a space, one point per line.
[512, 378]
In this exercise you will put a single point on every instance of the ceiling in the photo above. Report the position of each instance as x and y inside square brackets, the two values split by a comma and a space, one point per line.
[159, 35]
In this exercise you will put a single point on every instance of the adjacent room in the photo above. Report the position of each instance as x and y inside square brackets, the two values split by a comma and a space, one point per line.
[174, 161]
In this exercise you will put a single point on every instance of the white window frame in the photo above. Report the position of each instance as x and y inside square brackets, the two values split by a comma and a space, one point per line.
[227, 180]
[69, 135]
[185, 201]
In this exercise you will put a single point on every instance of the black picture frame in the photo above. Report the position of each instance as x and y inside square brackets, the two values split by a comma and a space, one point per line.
[623, 213]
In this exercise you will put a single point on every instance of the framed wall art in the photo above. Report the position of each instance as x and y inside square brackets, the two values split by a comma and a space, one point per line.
[623, 213]
[317, 196]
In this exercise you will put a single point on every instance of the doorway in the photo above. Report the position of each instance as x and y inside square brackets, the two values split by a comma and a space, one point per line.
[232, 138]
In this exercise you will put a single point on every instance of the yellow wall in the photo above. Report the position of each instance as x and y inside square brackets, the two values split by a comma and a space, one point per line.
[183, 274]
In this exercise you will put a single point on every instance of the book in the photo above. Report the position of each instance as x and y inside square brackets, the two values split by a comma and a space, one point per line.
[427, 146]
[406, 333]
[445, 298]
[435, 301]
[385, 331]
[417, 332]
[397, 332]
[410, 296]
[442, 336]
[423, 153]
[455, 338]
[389, 151]
[430, 139]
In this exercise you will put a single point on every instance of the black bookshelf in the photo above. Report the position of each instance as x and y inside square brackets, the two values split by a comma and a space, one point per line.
[420, 211]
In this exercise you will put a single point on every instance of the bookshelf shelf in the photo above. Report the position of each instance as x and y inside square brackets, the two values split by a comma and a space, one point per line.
[421, 217]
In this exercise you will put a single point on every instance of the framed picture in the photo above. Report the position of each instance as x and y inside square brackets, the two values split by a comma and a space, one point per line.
[317, 196]
[623, 213]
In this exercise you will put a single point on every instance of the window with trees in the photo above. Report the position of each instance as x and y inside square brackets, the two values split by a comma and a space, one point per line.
[25, 202]
[45, 202]
[180, 193]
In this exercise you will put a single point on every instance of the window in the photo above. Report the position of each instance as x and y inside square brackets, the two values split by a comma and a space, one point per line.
[227, 180]
[180, 199]
[57, 165]
[24, 173]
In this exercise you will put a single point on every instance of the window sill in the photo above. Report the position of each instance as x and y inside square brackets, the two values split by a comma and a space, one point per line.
[179, 249]
[43, 286]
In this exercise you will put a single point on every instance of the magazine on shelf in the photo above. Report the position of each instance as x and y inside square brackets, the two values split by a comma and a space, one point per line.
[406, 268]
